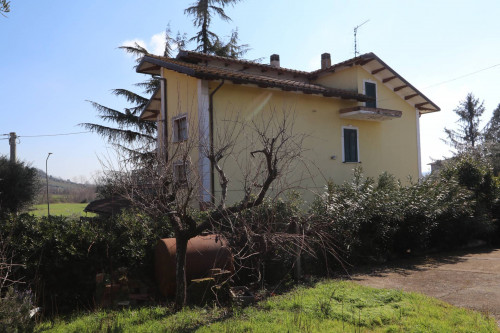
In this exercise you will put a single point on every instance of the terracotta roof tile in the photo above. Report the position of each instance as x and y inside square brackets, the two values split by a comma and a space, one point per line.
[205, 71]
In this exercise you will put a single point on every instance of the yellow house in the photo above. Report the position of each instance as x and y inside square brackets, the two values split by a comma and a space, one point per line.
[359, 112]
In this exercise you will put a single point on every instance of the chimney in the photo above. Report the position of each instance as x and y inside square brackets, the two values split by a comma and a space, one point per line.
[275, 60]
[326, 61]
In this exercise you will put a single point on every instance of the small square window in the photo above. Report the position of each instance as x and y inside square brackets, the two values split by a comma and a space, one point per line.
[180, 173]
[350, 141]
[180, 129]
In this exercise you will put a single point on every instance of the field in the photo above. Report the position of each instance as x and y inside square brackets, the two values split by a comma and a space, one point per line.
[331, 306]
[66, 209]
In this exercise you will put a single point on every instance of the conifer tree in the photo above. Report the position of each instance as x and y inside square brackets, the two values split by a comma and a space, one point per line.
[208, 41]
[468, 134]
[492, 131]
[128, 130]
[492, 140]
[4, 7]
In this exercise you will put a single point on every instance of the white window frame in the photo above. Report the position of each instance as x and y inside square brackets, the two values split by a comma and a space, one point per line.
[178, 164]
[175, 132]
[357, 143]
[376, 90]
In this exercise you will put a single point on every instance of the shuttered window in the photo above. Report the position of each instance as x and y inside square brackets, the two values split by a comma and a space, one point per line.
[350, 145]
[371, 91]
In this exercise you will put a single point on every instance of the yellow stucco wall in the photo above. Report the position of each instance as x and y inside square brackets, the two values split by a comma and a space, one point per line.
[383, 146]
[182, 99]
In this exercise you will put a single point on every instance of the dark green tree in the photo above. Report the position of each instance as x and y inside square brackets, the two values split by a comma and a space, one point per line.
[207, 41]
[127, 131]
[231, 49]
[4, 7]
[492, 130]
[19, 185]
[492, 140]
[468, 134]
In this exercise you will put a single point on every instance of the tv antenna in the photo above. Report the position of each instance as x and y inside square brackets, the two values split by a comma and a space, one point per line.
[356, 53]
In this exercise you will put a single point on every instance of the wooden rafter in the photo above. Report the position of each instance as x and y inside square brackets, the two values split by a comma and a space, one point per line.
[153, 116]
[401, 87]
[362, 63]
[420, 104]
[156, 99]
[152, 68]
[387, 79]
[410, 96]
[378, 70]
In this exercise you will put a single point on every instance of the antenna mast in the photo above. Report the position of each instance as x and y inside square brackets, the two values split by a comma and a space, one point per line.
[356, 53]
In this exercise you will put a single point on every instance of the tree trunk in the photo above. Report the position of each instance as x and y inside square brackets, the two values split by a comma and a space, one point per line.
[180, 270]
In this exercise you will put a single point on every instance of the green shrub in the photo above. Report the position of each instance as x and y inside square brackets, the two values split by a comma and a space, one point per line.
[15, 308]
[374, 220]
[61, 255]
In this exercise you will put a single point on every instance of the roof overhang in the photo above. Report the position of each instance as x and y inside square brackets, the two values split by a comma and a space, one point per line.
[152, 109]
[389, 77]
[372, 114]
[151, 64]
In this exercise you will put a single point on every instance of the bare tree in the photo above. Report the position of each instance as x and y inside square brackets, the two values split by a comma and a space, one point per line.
[171, 186]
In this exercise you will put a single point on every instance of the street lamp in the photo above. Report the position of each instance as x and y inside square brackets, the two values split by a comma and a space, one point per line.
[47, 177]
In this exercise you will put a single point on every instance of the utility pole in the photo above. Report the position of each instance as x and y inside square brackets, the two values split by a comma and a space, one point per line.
[47, 177]
[12, 143]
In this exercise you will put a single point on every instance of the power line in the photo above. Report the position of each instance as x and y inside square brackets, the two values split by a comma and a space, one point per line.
[460, 77]
[37, 136]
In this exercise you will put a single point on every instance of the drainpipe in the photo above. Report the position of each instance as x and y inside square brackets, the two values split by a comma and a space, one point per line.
[164, 121]
[211, 116]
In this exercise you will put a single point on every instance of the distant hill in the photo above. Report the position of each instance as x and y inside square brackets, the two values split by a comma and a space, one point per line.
[61, 190]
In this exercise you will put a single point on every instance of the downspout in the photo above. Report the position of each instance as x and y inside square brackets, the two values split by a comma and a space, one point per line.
[211, 120]
[163, 112]
[419, 156]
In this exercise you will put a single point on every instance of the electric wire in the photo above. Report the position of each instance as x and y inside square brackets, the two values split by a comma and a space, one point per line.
[462, 76]
[60, 134]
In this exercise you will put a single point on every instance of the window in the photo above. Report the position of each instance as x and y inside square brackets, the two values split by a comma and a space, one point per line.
[180, 128]
[180, 173]
[350, 142]
[371, 91]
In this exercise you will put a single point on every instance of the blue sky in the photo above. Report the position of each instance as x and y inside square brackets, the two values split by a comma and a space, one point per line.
[57, 54]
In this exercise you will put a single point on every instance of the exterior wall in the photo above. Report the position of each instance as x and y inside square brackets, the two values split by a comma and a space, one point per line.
[182, 99]
[344, 79]
[383, 146]
[399, 136]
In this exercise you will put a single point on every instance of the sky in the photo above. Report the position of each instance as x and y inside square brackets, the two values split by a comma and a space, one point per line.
[57, 55]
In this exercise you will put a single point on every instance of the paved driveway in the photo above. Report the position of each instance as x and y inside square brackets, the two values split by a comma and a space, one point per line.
[467, 279]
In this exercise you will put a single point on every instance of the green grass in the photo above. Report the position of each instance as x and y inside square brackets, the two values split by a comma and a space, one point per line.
[66, 209]
[331, 306]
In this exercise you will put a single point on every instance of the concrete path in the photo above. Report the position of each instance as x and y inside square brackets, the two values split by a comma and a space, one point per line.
[467, 279]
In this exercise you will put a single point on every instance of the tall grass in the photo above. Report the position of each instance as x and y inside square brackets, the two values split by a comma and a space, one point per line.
[331, 306]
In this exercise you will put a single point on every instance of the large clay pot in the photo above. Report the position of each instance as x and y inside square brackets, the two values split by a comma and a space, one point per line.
[203, 254]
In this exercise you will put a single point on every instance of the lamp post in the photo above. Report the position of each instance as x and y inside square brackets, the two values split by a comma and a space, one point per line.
[47, 177]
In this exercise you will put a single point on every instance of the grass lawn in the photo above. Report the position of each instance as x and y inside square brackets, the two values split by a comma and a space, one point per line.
[65, 209]
[331, 306]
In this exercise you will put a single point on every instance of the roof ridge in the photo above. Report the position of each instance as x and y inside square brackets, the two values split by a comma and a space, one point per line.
[186, 53]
